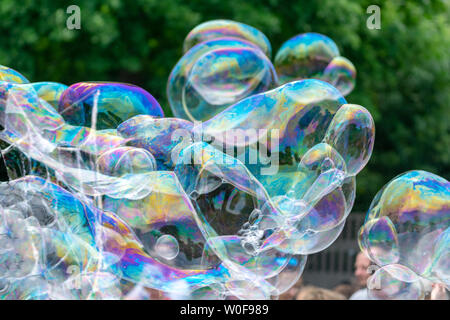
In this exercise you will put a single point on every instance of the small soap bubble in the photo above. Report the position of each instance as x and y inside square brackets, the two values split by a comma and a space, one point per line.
[167, 247]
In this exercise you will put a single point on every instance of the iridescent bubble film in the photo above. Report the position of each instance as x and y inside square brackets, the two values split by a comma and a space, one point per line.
[225, 61]
[226, 28]
[11, 75]
[49, 91]
[109, 199]
[217, 73]
[406, 233]
[115, 103]
[313, 55]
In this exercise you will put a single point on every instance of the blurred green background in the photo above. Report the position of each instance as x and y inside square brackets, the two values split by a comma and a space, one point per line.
[403, 68]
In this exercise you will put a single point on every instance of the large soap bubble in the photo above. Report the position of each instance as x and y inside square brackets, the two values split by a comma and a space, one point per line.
[406, 233]
[308, 170]
[215, 74]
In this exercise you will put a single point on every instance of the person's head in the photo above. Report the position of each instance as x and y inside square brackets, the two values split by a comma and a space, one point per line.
[291, 293]
[346, 289]
[314, 293]
[362, 264]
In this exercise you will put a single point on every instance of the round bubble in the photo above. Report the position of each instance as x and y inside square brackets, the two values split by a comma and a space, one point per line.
[215, 74]
[407, 225]
[167, 247]
[316, 56]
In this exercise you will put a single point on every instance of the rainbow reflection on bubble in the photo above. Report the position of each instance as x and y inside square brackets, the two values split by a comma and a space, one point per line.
[109, 199]
[116, 102]
[11, 75]
[226, 28]
[225, 61]
[216, 74]
[406, 233]
[313, 55]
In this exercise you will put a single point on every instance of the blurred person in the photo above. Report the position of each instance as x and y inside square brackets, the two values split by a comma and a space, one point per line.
[362, 264]
[292, 292]
[438, 292]
[345, 288]
[315, 293]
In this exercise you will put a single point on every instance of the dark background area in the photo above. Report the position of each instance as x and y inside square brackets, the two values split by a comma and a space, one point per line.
[403, 68]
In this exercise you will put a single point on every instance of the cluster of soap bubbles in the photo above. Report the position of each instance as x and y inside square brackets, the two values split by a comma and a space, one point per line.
[108, 199]
[225, 61]
[407, 235]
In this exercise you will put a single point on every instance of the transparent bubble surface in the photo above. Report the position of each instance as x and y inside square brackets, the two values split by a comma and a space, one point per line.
[407, 225]
[164, 138]
[114, 103]
[109, 199]
[314, 56]
[215, 74]
[11, 75]
[49, 91]
[167, 247]
[226, 28]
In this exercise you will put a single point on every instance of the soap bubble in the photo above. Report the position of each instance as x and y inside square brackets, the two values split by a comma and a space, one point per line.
[408, 225]
[352, 134]
[341, 73]
[115, 103]
[127, 202]
[395, 282]
[167, 247]
[305, 55]
[85, 243]
[162, 137]
[11, 75]
[215, 74]
[49, 91]
[301, 122]
[313, 55]
[312, 189]
[215, 29]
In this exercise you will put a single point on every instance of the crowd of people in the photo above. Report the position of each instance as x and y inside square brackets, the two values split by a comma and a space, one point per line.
[355, 289]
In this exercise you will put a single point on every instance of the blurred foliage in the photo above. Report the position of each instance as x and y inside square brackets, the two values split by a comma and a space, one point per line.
[403, 69]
